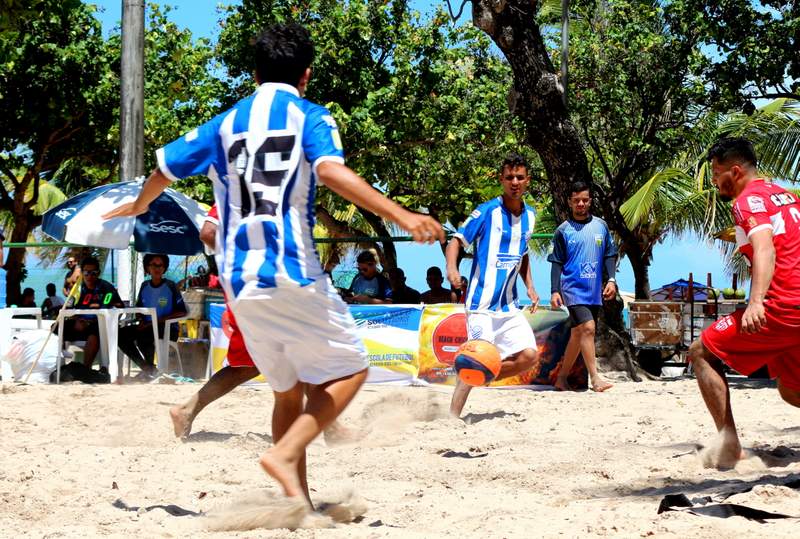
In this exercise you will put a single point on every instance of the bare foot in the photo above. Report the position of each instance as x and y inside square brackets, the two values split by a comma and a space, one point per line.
[282, 471]
[181, 422]
[601, 385]
[724, 453]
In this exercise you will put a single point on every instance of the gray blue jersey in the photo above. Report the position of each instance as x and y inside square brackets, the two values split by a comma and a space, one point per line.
[581, 247]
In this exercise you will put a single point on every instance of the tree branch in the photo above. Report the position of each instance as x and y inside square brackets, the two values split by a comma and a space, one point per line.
[460, 10]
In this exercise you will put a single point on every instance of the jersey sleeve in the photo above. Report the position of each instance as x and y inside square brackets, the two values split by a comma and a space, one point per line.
[212, 216]
[193, 153]
[321, 139]
[610, 246]
[178, 306]
[559, 254]
[472, 227]
[750, 213]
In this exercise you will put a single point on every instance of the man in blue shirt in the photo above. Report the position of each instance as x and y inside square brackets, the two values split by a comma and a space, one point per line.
[264, 157]
[369, 286]
[499, 230]
[582, 250]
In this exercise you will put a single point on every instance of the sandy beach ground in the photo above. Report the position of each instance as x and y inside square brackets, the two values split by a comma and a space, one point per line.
[101, 461]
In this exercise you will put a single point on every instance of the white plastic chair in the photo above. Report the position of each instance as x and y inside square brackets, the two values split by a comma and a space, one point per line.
[165, 345]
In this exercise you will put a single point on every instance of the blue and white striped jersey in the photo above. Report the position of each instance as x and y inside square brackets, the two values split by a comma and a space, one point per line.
[262, 156]
[500, 241]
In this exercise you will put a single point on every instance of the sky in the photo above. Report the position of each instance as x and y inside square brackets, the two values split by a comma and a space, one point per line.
[673, 259]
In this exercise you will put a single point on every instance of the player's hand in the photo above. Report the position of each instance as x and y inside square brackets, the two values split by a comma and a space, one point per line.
[534, 297]
[129, 209]
[754, 318]
[454, 277]
[423, 228]
[556, 301]
[610, 290]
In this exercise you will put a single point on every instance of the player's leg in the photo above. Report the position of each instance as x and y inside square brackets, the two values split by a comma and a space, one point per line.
[596, 382]
[221, 383]
[713, 385]
[459, 398]
[568, 361]
[285, 461]
[791, 396]
[517, 363]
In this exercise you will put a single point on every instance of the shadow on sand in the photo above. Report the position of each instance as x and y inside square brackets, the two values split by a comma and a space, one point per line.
[207, 436]
[471, 419]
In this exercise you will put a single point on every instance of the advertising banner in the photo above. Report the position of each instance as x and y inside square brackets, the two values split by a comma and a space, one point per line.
[444, 328]
[390, 335]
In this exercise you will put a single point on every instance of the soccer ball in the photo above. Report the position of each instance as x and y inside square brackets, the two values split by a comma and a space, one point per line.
[477, 362]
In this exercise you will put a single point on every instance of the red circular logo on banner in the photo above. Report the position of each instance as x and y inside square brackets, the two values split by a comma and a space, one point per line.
[226, 323]
[448, 336]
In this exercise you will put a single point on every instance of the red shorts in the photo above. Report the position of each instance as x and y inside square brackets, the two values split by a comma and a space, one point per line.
[238, 356]
[777, 345]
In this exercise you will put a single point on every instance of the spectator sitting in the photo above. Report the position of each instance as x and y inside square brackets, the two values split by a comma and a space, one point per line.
[400, 292]
[95, 294]
[27, 300]
[136, 341]
[437, 293]
[52, 304]
[369, 286]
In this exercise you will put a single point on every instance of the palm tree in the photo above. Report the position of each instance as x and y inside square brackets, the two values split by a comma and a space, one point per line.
[680, 199]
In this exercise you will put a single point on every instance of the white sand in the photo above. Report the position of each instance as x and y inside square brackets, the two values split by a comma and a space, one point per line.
[75, 461]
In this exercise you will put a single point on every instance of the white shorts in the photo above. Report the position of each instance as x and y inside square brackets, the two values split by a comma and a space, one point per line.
[300, 334]
[510, 332]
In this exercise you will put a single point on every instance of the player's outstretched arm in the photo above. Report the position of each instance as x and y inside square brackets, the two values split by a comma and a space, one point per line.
[350, 186]
[754, 317]
[527, 278]
[451, 260]
[153, 187]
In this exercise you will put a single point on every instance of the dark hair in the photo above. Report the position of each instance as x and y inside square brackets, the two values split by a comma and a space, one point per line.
[28, 292]
[366, 256]
[283, 53]
[514, 160]
[397, 272]
[150, 256]
[579, 186]
[730, 148]
[51, 289]
[435, 270]
[90, 261]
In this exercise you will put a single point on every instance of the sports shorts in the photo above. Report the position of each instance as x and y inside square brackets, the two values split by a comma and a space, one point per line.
[777, 345]
[580, 314]
[299, 334]
[237, 351]
[510, 332]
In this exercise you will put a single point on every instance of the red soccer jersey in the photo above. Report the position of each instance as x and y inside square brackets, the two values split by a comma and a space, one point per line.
[764, 205]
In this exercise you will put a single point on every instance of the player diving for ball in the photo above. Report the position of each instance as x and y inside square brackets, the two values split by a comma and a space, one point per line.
[499, 230]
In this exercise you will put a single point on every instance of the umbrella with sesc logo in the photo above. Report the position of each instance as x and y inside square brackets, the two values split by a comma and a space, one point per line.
[170, 226]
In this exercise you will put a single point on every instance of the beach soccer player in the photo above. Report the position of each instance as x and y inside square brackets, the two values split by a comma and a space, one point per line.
[767, 331]
[583, 251]
[264, 157]
[499, 231]
[240, 367]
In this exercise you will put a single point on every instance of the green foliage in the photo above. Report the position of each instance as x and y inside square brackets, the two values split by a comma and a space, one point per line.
[751, 48]
[421, 105]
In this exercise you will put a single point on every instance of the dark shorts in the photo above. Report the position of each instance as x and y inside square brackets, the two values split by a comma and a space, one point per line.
[78, 331]
[580, 314]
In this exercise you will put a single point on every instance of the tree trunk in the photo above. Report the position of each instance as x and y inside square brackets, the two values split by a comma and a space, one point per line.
[15, 263]
[537, 96]
[640, 262]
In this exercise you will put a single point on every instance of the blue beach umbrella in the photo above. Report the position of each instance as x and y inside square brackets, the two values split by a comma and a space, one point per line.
[170, 226]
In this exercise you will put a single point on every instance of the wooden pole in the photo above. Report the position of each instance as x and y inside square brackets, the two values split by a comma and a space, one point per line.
[132, 91]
